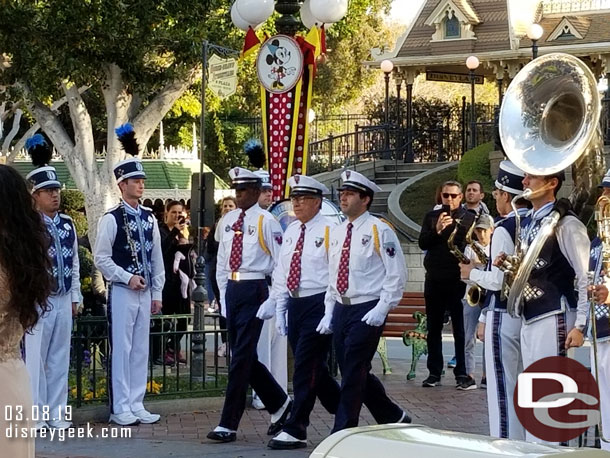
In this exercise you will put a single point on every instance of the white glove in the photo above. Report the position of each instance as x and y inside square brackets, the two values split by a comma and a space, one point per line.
[280, 323]
[325, 324]
[267, 309]
[376, 316]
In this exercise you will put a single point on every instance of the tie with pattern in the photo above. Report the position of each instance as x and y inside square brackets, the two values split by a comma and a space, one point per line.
[238, 245]
[294, 276]
[342, 277]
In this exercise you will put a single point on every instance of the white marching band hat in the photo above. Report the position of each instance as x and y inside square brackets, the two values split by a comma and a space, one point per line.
[304, 185]
[265, 178]
[510, 178]
[357, 181]
[243, 178]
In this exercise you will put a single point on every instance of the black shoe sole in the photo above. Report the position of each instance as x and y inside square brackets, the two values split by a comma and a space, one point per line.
[222, 437]
[283, 445]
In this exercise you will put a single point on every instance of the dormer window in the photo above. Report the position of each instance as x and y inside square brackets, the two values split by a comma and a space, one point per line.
[565, 30]
[452, 27]
[453, 22]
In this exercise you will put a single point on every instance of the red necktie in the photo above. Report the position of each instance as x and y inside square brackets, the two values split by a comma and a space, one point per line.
[294, 276]
[343, 276]
[238, 245]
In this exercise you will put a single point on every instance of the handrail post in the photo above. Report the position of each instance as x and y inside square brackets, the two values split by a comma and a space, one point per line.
[330, 152]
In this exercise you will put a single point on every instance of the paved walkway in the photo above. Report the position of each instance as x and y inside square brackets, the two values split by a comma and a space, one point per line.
[183, 434]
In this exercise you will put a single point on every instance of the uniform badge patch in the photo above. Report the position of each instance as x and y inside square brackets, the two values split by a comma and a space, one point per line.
[278, 237]
[334, 242]
[227, 228]
[365, 240]
[319, 241]
[67, 226]
[390, 249]
[251, 230]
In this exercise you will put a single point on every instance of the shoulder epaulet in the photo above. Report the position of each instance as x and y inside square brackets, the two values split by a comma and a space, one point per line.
[146, 208]
[64, 216]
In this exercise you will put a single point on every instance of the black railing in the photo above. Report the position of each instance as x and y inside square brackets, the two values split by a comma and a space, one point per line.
[88, 377]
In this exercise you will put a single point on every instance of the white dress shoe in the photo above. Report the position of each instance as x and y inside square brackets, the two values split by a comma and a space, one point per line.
[124, 419]
[146, 417]
[59, 424]
[257, 403]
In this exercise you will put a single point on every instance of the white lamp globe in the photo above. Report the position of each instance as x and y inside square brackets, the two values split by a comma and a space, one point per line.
[307, 17]
[328, 11]
[255, 11]
[472, 63]
[237, 20]
[386, 66]
[534, 32]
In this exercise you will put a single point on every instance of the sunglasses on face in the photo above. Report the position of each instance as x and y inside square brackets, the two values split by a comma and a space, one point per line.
[447, 195]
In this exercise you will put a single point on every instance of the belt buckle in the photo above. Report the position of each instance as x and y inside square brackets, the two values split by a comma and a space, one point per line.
[295, 294]
[346, 300]
[235, 276]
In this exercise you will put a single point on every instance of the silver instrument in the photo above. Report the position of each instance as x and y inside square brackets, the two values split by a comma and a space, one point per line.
[549, 120]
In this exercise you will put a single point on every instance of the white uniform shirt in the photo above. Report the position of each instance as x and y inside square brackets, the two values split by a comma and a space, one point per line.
[574, 244]
[254, 258]
[379, 274]
[314, 258]
[106, 234]
[75, 294]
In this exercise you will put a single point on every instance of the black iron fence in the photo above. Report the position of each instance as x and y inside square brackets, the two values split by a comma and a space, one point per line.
[202, 371]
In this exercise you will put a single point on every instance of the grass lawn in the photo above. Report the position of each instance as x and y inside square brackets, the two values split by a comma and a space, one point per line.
[419, 199]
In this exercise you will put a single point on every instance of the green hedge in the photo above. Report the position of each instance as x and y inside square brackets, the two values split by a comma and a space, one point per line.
[475, 166]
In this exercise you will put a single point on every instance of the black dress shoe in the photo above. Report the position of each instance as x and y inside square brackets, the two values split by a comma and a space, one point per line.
[406, 419]
[286, 445]
[276, 427]
[222, 436]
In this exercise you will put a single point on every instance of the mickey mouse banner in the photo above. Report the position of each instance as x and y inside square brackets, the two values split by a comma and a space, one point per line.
[285, 67]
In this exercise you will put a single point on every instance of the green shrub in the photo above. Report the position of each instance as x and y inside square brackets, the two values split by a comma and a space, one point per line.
[73, 205]
[475, 166]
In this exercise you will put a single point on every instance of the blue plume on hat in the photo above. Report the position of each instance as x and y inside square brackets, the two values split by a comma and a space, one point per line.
[127, 137]
[39, 150]
[254, 150]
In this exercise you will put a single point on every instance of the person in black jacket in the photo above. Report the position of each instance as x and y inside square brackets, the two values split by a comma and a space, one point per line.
[173, 302]
[443, 289]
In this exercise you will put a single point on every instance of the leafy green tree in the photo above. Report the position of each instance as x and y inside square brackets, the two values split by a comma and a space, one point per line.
[130, 59]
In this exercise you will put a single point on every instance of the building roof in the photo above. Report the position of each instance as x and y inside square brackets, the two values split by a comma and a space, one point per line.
[490, 26]
[592, 27]
[160, 174]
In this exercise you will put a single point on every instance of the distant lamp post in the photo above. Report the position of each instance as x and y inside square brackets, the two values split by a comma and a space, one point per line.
[472, 63]
[386, 67]
[534, 33]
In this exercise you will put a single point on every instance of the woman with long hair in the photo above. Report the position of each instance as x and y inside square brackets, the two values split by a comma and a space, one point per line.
[25, 285]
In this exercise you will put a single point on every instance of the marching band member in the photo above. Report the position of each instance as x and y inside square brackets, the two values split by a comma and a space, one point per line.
[249, 248]
[300, 280]
[128, 253]
[554, 314]
[48, 349]
[502, 332]
[367, 278]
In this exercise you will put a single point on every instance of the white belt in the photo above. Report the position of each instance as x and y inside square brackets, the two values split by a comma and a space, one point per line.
[239, 276]
[356, 300]
[302, 292]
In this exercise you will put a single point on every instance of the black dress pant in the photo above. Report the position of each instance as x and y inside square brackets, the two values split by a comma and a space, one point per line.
[355, 346]
[441, 296]
[243, 300]
[311, 375]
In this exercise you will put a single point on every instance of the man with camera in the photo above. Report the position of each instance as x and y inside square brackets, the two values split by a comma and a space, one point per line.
[443, 289]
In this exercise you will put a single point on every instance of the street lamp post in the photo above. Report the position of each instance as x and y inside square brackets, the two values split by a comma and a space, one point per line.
[534, 33]
[472, 63]
[386, 67]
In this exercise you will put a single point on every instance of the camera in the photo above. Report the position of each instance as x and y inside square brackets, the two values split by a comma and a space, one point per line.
[182, 220]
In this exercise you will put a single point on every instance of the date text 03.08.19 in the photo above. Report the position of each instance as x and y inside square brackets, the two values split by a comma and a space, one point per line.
[36, 413]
